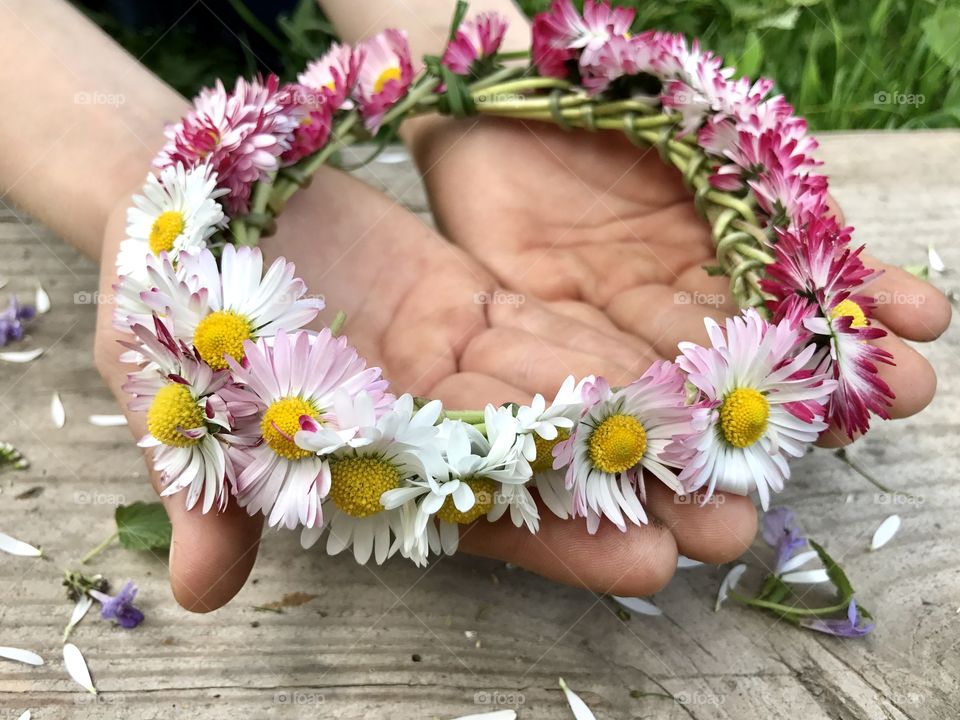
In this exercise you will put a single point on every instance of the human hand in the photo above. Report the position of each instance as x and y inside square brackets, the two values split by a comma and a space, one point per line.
[605, 232]
[423, 311]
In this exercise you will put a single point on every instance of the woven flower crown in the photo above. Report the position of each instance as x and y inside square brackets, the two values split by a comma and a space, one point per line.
[244, 405]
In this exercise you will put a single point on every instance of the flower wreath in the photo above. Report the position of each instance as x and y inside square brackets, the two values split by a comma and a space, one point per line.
[241, 401]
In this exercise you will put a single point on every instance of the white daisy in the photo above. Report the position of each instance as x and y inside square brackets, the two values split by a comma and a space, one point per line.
[475, 469]
[758, 405]
[177, 212]
[620, 433]
[187, 420]
[397, 448]
[292, 378]
[229, 305]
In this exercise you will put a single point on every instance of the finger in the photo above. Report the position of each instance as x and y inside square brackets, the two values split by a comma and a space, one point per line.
[703, 289]
[542, 320]
[717, 532]
[661, 316]
[466, 390]
[913, 308]
[531, 363]
[637, 562]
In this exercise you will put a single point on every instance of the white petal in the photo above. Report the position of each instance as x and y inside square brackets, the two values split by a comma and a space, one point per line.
[107, 420]
[638, 605]
[25, 716]
[729, 583]
[934, 260]
[77, 667]
[888, 528]
[57, 412]
[24, 656]
[683, 562]
[798, 560]
[806, 577]
[21, 356]
[79, 611]
[579, 707]
[17, 547]
[42, 300]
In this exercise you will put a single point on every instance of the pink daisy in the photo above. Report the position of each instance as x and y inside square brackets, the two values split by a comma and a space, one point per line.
[188, 419]
[757, 405]
[385, 75]
[621, 433]
[564, 28]
[240, 135]
[620, 57]
[334, 75]
[476, 40]
[292, 379]
[315, 119]
[549, 61]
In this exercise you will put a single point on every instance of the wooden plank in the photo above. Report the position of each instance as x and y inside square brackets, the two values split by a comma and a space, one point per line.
[466, 635]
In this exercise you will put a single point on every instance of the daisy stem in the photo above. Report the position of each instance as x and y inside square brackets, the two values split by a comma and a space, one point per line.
[786, 609]
[497, 77]
[513, 55]
[258, 207]
[842, 454]
[522, 84]
[99, 548]
[338, 322]
[474, 417]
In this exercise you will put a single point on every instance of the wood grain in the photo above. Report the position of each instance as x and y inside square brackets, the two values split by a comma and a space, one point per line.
[466, 636]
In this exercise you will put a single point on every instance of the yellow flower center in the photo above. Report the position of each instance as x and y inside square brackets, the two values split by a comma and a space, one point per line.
[357, 483]
[281, 422]
[743, 417]
[165, 230]
[617, 444]
[174, 407]
[848, 308]
[391, 73]
[219, 334]
[484, 490]
[544, 459]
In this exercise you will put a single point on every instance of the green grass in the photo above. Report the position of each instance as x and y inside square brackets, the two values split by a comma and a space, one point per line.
[844, 64]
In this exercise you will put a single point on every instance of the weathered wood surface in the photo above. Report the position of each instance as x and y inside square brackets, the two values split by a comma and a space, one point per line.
[464, 634]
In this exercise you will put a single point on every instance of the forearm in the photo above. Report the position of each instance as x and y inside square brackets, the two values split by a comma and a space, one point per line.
[83, 121]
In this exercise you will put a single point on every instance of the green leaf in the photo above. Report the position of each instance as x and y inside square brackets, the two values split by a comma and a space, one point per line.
[942, 32]
[143, 526]
[781, 21]
[749, 64]
[835, 573]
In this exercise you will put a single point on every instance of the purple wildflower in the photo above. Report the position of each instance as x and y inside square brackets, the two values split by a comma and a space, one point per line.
[12, 319]
[780, 531]
[120, 608]
[853, 626]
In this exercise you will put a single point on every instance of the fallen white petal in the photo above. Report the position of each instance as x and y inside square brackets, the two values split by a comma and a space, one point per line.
[77, 667]
[57, 412]
[3, 283]
[888, 528]
[108, 420]
[638, 605]
[24, 656]
[683, 562]
[495, 715]
[392, 157]
[17, 547]
[42, 300]
[934, 260]
[806, 577]
[729, 583]
[25, 716]
[21, 356]
[579, 707]
[79, 611]
[798, 560]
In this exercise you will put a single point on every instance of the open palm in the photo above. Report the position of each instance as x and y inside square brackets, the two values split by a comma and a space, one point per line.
[605, 233]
